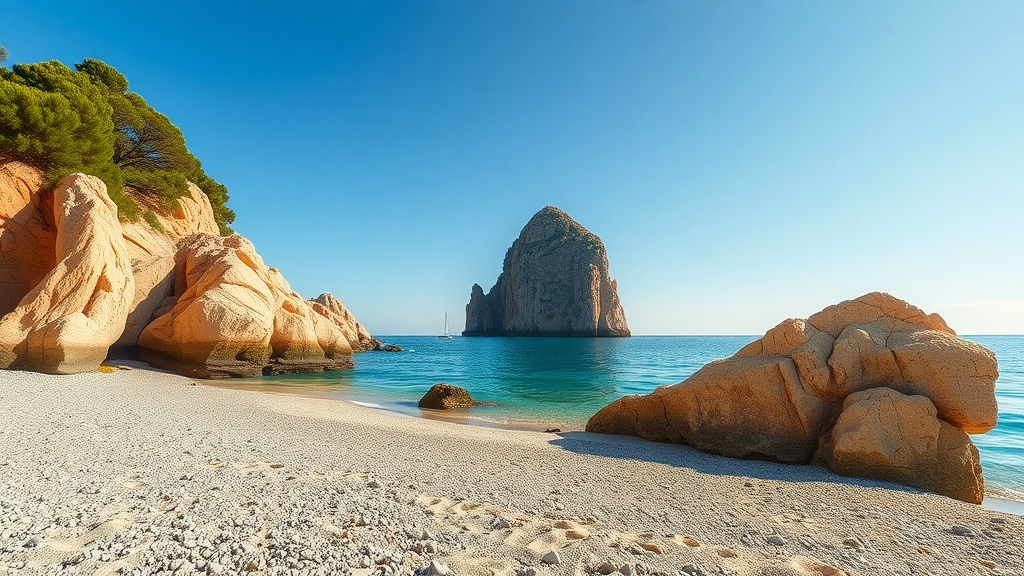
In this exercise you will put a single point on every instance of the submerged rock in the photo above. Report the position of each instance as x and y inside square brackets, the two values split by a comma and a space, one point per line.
[803, 384]
[554, 282]
[443, 396]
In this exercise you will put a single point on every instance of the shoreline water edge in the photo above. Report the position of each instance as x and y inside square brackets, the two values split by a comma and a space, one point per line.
[149, 472]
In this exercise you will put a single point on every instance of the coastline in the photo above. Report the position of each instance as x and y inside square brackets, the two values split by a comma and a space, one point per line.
[142, 471]
[996, 498]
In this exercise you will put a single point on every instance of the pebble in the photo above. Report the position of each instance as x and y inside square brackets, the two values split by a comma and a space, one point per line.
[435, 568]
[776, 540]
[551, 557]
[605, 568]
[693, 570]
[962, 531]
[626, 570]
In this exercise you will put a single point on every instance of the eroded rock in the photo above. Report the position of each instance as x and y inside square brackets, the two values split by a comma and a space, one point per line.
[778, 397]
[554, 282]
[443, 396]
[66, 322]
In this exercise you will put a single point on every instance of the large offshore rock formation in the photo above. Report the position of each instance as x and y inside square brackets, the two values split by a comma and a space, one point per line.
[76, 284]
[871, 387]
[554, 282]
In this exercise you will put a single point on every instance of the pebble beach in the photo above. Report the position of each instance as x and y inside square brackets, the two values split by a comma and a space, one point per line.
[139, 472]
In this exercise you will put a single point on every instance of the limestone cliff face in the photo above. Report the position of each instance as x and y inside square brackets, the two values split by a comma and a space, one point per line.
[554, 282]
[77, 284]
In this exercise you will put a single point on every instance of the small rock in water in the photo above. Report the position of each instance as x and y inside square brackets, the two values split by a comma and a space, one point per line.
[551, 557]
[605, 568]
[553, 430]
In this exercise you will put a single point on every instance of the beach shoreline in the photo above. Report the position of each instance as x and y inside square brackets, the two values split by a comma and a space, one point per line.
[143, 472]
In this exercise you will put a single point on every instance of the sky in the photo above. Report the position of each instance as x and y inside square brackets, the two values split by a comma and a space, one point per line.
[743, 162]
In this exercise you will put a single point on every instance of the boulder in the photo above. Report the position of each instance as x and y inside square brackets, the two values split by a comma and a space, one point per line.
[887, 435]
[554, 282]
[230, 315]
[446, 397]
[779, 397]
[66, 322]
[334, 311]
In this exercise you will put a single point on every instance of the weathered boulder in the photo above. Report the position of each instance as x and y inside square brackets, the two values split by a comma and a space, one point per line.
[66, 322]
[443, 396]
[778, 397]
[884, 434]
[333, 310]
[554, 282]
[152, 248]
[232, 316]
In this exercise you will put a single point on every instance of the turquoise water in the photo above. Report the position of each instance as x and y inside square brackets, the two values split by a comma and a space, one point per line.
[563, 381]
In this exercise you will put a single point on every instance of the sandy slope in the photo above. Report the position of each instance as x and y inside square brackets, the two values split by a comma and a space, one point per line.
[140, 472]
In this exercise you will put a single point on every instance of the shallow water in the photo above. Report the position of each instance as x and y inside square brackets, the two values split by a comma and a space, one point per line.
[537, 382]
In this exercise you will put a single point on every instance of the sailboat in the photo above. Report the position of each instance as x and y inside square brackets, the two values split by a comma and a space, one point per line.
[446, 335]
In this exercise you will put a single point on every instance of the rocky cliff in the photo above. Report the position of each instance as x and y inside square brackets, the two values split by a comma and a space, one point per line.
[554, 282]
[871, 387]
[76, 284]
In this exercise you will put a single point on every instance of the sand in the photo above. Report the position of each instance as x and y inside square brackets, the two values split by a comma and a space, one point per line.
[142, 472]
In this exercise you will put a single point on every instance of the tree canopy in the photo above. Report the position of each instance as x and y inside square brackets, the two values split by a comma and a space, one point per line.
[86, 120]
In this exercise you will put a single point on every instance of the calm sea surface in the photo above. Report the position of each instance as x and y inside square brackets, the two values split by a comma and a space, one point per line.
[563, 381]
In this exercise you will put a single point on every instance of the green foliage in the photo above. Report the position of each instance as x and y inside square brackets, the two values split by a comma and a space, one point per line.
[150, 217]
[86, 121]
[3, 53]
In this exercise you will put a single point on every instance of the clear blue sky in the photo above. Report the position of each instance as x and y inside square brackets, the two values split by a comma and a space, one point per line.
[744, 162]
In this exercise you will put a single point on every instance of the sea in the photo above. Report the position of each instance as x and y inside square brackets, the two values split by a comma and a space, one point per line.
[539, 383]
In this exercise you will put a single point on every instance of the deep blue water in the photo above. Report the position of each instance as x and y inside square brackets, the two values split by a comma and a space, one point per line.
[563, 381]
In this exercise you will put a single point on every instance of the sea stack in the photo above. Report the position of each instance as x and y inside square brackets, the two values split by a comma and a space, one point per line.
[554, 282]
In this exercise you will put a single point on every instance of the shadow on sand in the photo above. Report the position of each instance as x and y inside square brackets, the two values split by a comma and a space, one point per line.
[678, 455]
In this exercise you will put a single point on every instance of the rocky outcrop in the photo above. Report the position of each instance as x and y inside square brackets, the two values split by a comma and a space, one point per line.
[443, 396]
[233, 316]
[70, 316]
[27, 232]
[554, 282]
[810, 383]
[335, 312]
[74, 279]
[153, 249]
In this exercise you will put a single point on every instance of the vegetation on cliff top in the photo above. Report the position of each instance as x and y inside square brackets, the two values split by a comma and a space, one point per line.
[86, 120]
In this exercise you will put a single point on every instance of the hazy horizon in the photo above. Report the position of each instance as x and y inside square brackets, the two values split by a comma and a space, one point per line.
[743, 162]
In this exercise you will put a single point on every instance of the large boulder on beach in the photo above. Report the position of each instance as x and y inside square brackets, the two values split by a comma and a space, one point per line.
[884, 434]
[781, 396]
[69, 318]
[443, 396]
[554, 282]
[231, 315]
